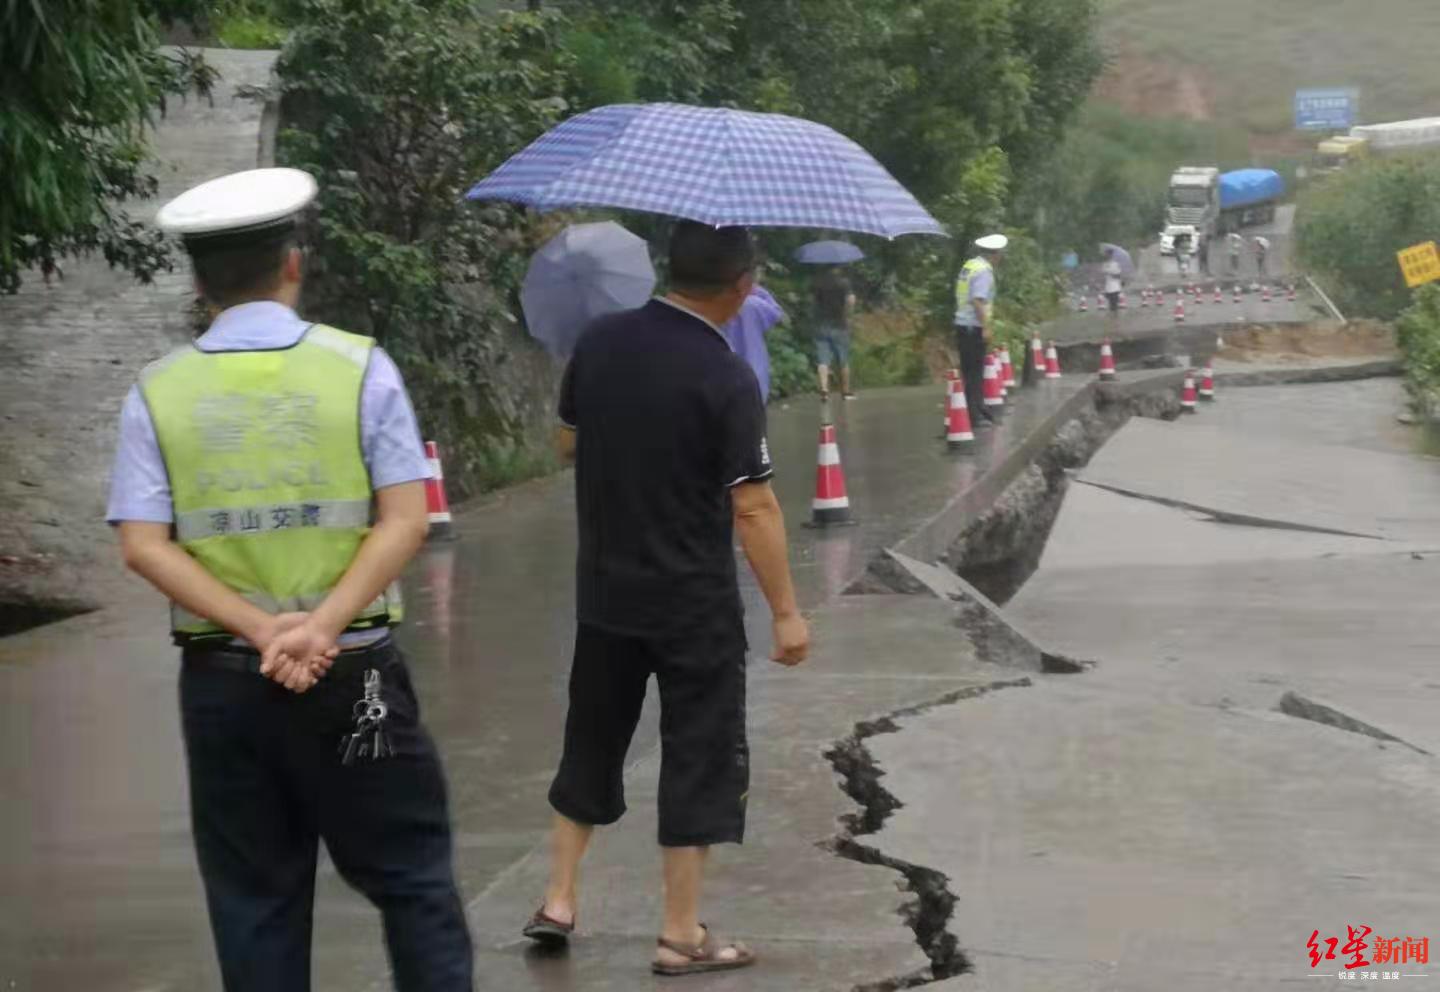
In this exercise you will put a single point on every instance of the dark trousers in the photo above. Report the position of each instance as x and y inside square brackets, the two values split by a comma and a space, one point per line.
[970, 343]
[704, 757]
[267, 785]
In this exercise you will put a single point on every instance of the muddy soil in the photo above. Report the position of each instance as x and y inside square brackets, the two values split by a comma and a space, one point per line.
[1301, 343]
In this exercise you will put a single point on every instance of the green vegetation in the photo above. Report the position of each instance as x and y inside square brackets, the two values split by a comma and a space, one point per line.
[79, 83]
[1351, 225]
[1254, 56]
[397, 105]
[1418, 332]
[247, 26]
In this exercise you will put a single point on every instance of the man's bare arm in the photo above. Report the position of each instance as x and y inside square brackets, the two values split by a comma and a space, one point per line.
[983, 310]
[150, 552]
[565, 441]
[401, 523]
[760, 524]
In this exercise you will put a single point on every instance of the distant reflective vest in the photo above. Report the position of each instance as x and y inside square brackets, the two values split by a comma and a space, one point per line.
[269, 485]
[964, 310]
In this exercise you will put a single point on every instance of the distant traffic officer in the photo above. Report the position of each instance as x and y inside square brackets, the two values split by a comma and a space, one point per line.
[270, 481]
[975, 320]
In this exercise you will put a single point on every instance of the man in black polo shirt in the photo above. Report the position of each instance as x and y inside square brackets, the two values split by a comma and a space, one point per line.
[667, 430]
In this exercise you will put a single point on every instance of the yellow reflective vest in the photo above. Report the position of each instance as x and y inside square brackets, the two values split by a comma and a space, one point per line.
[269, 484]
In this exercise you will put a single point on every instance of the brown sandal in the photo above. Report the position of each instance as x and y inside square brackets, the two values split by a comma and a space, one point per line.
[547, 930]
[703, 957]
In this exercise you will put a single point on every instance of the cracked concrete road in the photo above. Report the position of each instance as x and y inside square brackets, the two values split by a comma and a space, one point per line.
[1156, 823]
[108, 897]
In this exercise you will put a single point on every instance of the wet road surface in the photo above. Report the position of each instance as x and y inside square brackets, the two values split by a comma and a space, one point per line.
[100, 889]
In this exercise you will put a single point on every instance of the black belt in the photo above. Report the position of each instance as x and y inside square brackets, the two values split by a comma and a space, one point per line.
[236, 658]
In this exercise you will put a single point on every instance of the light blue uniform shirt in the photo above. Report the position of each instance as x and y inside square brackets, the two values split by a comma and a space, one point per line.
[389, 435]
[982, 287]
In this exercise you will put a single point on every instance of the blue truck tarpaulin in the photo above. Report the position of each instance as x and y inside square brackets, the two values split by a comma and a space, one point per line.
[1246, 187]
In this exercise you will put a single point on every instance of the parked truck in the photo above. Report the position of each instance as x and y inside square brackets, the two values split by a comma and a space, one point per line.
[1421, 134]
[1203, 203]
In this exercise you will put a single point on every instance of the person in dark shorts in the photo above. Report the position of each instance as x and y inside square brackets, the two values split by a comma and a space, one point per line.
[667, 430]
[834, 299]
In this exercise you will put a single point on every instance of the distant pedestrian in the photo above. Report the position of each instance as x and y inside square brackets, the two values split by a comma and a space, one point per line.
[667, 432]
[270, 481]
[1114, 284]
[50, 270]
[834, 299]
[1236, 244]
[1183, 248]
[975, 320]
[746, 333]
[1262, 254]
[1204, 255]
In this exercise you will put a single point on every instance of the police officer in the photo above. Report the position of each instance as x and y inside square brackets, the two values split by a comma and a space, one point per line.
[974, 320]
[270, 481]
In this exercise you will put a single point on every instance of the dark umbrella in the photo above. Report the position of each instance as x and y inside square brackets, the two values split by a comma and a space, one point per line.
[584, 272]
[828, 253]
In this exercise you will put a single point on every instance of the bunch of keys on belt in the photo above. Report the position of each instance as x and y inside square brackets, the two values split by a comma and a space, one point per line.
[369, 739]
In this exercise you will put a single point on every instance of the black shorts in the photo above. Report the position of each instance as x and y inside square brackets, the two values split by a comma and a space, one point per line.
[1114, 299]
[704, 757]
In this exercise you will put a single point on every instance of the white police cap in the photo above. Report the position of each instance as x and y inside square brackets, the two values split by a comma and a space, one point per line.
[992, 242]
[258, 203]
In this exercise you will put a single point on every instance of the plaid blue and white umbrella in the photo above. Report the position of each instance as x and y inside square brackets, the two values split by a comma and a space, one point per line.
[712, 165]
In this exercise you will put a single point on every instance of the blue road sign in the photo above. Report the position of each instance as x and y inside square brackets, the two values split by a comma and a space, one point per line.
[1326, 110]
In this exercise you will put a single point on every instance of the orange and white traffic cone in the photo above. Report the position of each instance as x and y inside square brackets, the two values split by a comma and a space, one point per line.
[951, 377]
[1107, 360]
[1219, 296]
[1199, 296]
[441, 526]
[1265, 293]
[958, 430]
[1207, 382]
[1100, 302]
[1124, 302]
[1290, 297]
[1187, 393]
[1238, 299]
[1084, 303]
[1007, 370]
[1180, 310]
[993, 390]
[1037, 356]
[1052, 362]
[831, 504]
[1144, 299]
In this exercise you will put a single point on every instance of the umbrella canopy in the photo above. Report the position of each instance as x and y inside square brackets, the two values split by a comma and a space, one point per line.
[1127, 266]
[712, 165]
[828, 253]
[584, 272]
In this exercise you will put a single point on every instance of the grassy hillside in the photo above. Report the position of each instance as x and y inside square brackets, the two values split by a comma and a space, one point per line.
[1248, 57]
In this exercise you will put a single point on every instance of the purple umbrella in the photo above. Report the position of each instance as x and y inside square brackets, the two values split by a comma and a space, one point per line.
[1127, 266]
